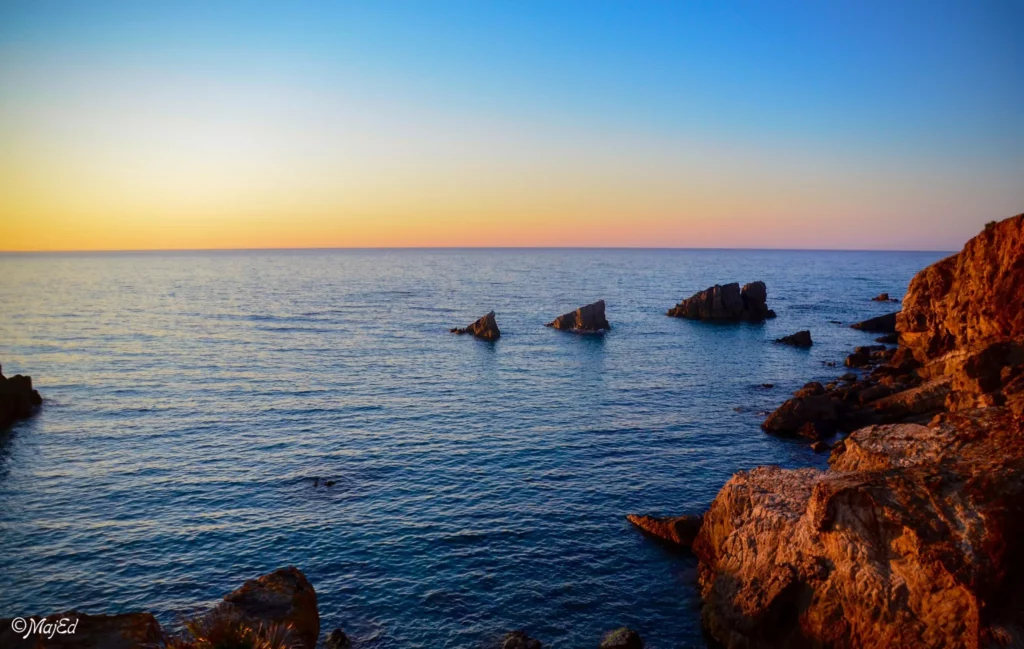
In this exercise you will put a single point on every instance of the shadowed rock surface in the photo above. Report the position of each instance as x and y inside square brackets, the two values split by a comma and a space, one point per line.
[799, 339]
[914, 535]
[17, 399]
[485, 328]
[285, 597]
[622, 638]
[883, 297]
[883, 324]
[125, 631]
[519, 640]
[727, 303]
[677, 530]
[589, 318]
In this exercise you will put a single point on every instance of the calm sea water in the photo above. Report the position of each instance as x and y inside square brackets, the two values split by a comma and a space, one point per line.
[193, 398]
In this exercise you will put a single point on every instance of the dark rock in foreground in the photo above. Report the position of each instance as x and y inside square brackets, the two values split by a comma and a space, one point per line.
[799, 339]
[485, 328]
[282, 597]
[125, 631]
[519, 640]
[17, 398]
[337, 639]
[677, 530]
[622, 638]
[589, 318]
[726, 303]
[883, 324]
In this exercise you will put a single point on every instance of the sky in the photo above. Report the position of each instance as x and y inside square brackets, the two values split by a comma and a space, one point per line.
[767, 124]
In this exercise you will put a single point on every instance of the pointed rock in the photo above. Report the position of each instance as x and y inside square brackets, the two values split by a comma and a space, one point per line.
[485, 328]
[589, 318]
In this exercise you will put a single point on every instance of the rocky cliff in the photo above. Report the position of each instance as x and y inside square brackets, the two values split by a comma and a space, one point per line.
[914, 535]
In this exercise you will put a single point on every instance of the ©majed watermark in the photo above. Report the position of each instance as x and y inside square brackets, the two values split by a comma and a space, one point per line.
[44, 627]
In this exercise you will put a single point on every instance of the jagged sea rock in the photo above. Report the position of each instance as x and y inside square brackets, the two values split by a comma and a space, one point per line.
[677, 530]
[589, 318]
[283, 597]
[622, 638]
[812, 416]
[519, 640]
[18, 400]
[124, 631]
[338, 639]
[726, 303]
[864, 356]
[883, 324]
[486, 328]
[799, 339]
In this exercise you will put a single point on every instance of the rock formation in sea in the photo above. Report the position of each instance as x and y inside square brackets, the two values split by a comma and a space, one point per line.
[799, 339]
[485, 328]
[283, 597]
[676, 530]
[519, 640]
[914, 535]
[622, 638]
[726, 303]
[338, 639]
[883, 297]
[586, 319]
[17, 398]
[883, 324]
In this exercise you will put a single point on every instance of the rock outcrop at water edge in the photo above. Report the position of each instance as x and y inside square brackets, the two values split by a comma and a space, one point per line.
[676, 530]
[586, 319]
[883, 324]
[914, 534]
[283, 597]
[726, 303]
[485, 328]
[799, 339]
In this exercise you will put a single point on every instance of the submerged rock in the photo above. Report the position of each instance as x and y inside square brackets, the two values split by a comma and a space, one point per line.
[519, 640]
[337, 639]
[485, 328]
[678, 530]
[726, 303]
[883, 297]
[124, 631]
[883, 324]
[18, 400]
[283, 597]
[589, 318]
[799, 339]
[622, 638]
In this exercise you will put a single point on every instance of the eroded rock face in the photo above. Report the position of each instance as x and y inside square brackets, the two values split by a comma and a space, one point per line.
[589, 318]
[485, 328]
[969, 300]
[914, 535]
[125, 631]
[284, 597]
[799, 339]
[726, 303]
[17, 398]
[677, 530]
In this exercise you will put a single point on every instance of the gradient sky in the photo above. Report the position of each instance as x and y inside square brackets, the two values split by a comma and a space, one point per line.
[861, 124]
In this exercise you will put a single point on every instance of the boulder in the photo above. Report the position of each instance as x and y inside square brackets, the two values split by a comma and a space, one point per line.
[677, 530]
[18, 400]
[124, 631]
[622, 638]
[799, 339]
[519, 640]
[282, 597]
[337, 639]
[589, 318]
[791, 418]
[883, 324]
[863, 356]
[485, 328]
[726, 303]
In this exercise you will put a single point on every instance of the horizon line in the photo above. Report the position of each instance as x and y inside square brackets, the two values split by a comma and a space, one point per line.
[382, 248]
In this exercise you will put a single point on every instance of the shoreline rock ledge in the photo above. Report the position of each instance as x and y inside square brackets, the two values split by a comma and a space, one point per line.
[727, 303]
[485, 328]
[914, 534]
[586, 319]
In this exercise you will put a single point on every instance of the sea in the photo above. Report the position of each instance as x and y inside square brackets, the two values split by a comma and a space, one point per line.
[212, 416]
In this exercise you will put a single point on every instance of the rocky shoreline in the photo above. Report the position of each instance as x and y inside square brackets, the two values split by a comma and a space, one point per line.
[913, 535]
